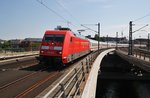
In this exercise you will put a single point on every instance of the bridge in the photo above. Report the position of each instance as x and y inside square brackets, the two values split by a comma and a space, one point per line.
[110, 73]
[83, 81]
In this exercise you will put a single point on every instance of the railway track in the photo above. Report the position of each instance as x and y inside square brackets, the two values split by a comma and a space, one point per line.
[33, 82]
[15, 57]
[36, 80]
[29, 83]
[37, 84]
[18, 63]
[20, 79]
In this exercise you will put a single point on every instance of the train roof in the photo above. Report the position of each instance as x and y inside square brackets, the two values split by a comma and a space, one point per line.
[68, 29]
[79, 36]
[57, 31]
[63, 31]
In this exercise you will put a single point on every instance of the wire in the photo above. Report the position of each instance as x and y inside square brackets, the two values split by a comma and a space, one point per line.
[140, 28]
[41, 2]
[51, 10]
[88, 28]
[63, 7]
[68, 22]
[141, 17]
[67, 11]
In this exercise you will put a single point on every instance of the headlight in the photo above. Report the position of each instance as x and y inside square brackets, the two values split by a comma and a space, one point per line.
[60, 52]
[45, 47]
[58, 48]
[41, 51]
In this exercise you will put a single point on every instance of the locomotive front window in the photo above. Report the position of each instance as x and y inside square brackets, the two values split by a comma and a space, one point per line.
[59, 38]
[54, 38]
[48, 38]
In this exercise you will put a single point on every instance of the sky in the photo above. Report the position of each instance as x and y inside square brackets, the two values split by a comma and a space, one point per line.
[21, 19]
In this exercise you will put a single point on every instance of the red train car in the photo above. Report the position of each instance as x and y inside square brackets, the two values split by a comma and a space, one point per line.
[61, 46]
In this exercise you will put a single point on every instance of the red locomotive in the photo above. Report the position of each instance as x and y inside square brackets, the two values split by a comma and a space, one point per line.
[62, 46]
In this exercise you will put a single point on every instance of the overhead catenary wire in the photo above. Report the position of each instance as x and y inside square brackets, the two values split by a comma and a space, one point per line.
[41, 2]
[89, 28]
[61, 5]
[137, 20]
[67, 11]
[51, 10]
[67, 21]
[141, 17]
[140, 28]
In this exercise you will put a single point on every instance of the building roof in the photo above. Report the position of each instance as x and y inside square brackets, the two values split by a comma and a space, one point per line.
[33, 39]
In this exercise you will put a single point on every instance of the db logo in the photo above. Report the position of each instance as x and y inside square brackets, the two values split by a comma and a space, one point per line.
[51, 48]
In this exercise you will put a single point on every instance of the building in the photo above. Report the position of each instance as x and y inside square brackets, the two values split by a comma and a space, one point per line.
[111, 39]
[33, 39]
[31, 44]
[15, 43]
[141, 41]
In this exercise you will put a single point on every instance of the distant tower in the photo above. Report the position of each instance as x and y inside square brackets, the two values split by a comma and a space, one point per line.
[122, 34]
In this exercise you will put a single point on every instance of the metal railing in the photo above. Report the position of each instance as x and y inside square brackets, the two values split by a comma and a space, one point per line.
[142, 53]
[91, 84]
[139, 53]
[69, 86]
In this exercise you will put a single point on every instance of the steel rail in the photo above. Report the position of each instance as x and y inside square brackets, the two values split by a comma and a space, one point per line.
[15, 57]
[20, 79]
[39, 83]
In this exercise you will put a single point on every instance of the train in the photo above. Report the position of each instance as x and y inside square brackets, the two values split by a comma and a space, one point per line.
[62, 46]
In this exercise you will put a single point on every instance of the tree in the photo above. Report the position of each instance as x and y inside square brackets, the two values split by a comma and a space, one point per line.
[96, 36]
[6, 45]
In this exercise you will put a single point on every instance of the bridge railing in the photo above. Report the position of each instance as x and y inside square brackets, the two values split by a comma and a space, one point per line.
[142, 53]
[138, 52]
[69, 86]
[90, 87]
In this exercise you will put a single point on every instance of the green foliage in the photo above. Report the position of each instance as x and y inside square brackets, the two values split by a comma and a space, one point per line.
[96, 36]
[100, 39]
[6, 45]
[36, 44]
[30, 46]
